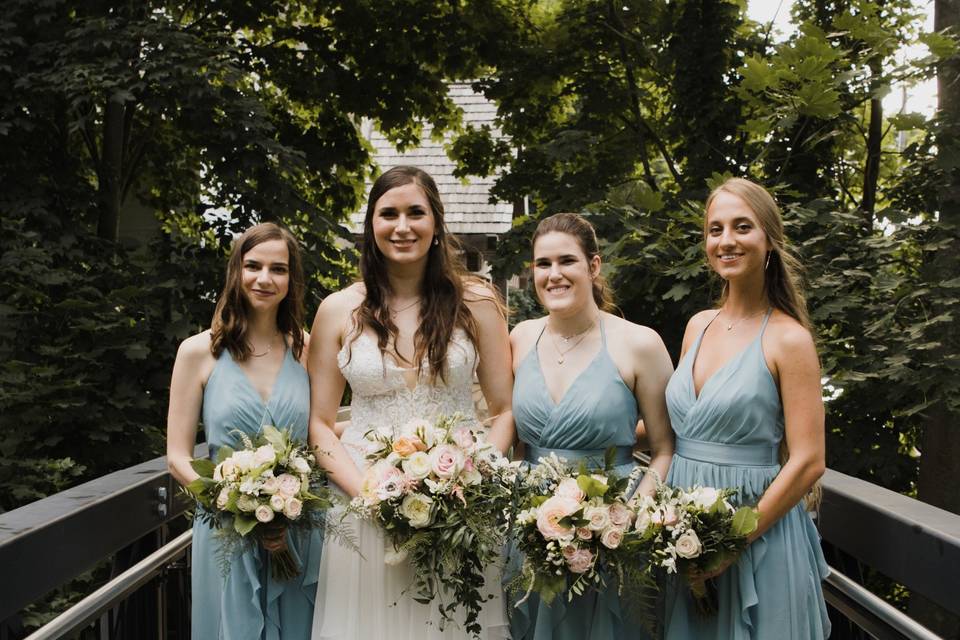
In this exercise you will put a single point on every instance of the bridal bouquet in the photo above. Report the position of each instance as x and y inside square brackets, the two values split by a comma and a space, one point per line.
[693, 530]
[439, 491]
[274, 480]
[574, 529]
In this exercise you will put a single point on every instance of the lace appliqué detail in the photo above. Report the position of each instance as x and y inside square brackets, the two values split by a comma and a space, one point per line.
[381, 397]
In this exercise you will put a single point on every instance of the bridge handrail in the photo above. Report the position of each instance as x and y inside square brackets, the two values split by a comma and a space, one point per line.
[106, 597]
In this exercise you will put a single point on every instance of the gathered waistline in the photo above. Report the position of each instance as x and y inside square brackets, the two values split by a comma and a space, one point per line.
[727, 454]
[622, 455]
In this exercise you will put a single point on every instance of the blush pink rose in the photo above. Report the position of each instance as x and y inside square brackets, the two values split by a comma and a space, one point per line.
[612, 537]
[568, 488]
[289, 485]
[463, 437]
[620, 515]
[446, 460]
[551, 512]
[581, 561]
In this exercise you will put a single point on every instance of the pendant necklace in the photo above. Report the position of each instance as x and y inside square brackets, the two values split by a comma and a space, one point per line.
[402, 309]
[253, 354]
[579, 336]
[731, 325]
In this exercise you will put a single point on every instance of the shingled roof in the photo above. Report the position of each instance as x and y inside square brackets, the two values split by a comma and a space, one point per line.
[467, 206]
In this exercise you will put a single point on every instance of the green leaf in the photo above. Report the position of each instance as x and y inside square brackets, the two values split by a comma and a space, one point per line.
[940, 44]
[223, 453]
[203, 466]
[243, 524]
[745, 521]
[591, 486]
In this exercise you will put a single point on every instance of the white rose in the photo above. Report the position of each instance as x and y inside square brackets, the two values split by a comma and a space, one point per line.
[417, 466]
[705, 497]
[264, 513]
[218, 473]
[418, 428]
[568, 488]
[599, 517]
[277, 502]
[222, 498]
[292, 508]
[471, 477]
[264, 455]
[289, 484]
[270, 484]
[643, 521]
[300, 464]
[417, 509]
[688, 545]
[243, 460]
[246, 503]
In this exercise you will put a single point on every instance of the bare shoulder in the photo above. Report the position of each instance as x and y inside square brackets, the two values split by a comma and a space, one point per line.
[477, 291]
[195, 348]
[787, 338]
[641, 339]
[699, 321]
[524, 334]
[343, 302]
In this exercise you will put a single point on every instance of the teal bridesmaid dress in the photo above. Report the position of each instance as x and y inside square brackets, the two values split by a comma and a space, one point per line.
[597, 411]
[248, 604]
[729, 436]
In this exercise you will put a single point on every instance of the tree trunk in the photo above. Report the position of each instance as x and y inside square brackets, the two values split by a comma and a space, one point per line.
[110, 187]
[940, 460]
[871, 171]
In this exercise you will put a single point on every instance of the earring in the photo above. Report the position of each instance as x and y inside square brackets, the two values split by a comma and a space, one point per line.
[768, 260]
[436, 241]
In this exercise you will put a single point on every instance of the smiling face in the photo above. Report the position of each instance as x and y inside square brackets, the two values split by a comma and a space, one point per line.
[736, 245]
[265, 278]
[562, 273]
[403, 224]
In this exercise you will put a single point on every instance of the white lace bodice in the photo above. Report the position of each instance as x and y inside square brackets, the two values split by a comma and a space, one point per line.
[381, 397]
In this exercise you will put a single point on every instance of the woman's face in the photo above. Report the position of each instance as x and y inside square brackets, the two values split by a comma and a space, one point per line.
[735, 243]
[562, 273]
[266, 275]
[403, 224]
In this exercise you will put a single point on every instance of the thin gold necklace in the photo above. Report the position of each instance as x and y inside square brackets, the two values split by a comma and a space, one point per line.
[402, 309]
[731, 325]
[269, 347]
[580, 336]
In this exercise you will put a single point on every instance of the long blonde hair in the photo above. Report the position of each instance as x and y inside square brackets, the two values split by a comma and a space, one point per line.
[782, 281]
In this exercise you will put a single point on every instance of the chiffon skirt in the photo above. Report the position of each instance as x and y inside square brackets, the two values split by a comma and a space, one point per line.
[359, 597]
[246, 603]
[773, 590]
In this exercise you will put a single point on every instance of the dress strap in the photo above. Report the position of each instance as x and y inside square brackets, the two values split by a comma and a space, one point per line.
[766, 319]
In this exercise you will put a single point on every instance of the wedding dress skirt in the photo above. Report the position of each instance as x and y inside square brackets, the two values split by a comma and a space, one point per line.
[359, 596]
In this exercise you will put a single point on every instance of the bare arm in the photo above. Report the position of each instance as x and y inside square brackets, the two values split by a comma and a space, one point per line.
[653, 371]
[796, 361]
[186, 400]
[326, 389]
[494, 370]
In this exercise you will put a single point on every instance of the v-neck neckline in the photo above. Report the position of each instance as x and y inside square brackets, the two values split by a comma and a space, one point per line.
[696, 352]
[543, 378]
[273, 386]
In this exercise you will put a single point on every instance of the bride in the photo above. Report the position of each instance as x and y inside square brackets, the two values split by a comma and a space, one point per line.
[407, 339]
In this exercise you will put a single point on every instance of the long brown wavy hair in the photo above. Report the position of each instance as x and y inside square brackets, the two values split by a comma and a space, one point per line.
[229, 327]
[445, 280]
[782, 280]
[583, 232]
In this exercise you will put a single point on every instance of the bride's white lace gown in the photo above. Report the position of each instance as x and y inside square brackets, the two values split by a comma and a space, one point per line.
[358, 596]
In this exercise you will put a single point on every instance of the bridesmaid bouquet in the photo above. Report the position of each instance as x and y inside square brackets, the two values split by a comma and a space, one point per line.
[439, 491]
[575, 530]
[693, 530]
[274, 480]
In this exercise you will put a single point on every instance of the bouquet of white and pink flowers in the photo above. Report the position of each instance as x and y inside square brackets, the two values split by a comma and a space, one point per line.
[272, 482]
[574, 529]
[440, 491]
[694, 530]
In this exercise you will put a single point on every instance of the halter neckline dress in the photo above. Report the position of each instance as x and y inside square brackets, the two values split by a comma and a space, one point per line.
[729, 436]
[242, 606]
[596, 412]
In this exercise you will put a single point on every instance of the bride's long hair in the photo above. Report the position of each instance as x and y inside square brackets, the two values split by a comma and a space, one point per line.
[445, 280]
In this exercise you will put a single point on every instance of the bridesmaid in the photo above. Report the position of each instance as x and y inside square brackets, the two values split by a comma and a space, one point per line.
[244, 372]
[748, 381]
[583, 377]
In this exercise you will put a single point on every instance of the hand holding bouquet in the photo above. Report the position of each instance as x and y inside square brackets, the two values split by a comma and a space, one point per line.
[439, 491]
[272, 482]
[574, 529]
[694, 531]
